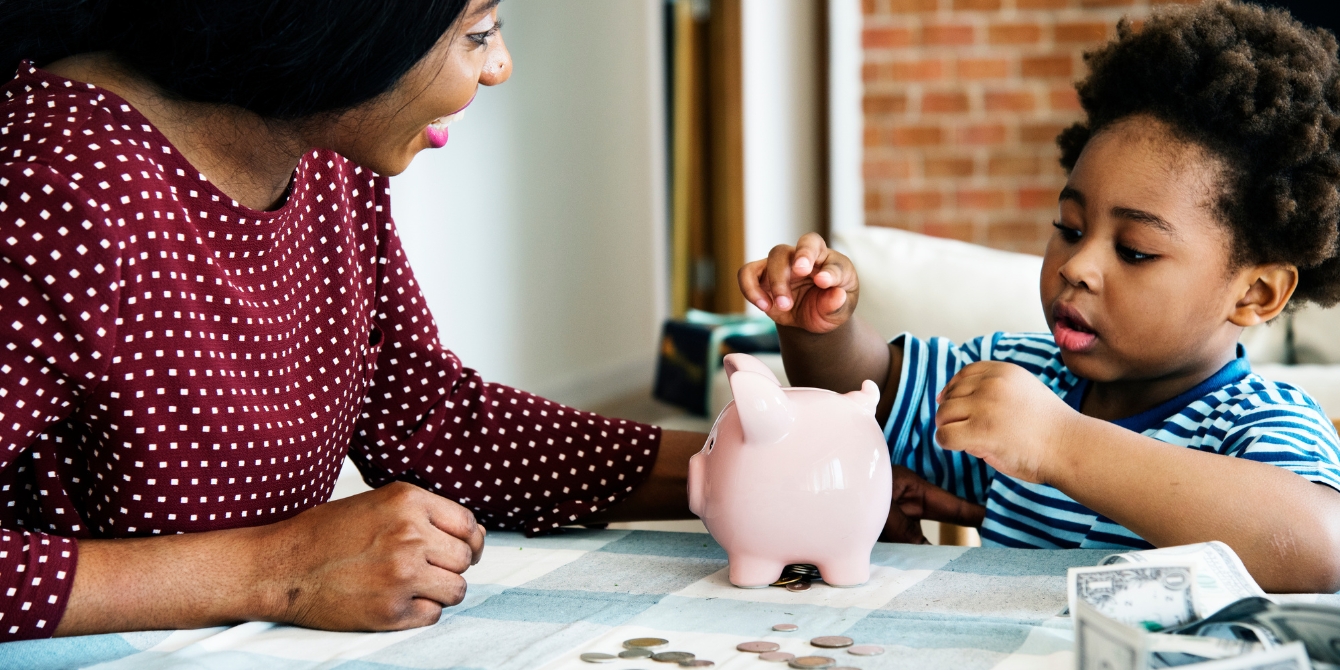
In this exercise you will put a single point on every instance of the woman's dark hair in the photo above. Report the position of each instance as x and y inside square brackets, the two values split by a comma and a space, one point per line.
[283, 59]
[1260, 92]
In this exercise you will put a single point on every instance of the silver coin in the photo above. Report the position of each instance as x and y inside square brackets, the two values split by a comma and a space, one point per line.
[635, 652]
[697, 663]
[672, 657]
[757, 647]
[866, 650]
[832, 641]
[798, 586]
[776, 656]
[596, 657]
[812, 662]
[645, 643]
[786, 627]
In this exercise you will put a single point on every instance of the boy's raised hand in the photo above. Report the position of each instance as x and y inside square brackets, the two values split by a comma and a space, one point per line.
[808, 286]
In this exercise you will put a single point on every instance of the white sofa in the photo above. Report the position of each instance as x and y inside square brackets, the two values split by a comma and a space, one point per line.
[930, 286]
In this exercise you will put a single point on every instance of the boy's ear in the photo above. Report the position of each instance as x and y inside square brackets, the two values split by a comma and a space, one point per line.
[1268, 292]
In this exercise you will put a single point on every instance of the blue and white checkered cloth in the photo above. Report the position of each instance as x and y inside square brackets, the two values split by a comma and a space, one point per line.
[539, 603]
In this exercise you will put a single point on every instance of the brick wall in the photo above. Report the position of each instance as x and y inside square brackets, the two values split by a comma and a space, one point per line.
[963, 101]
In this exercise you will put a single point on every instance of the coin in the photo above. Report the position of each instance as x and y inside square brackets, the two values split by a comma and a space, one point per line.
[672, 657]
[812, 662]
[866, 650]
[786, 627]
[803, 569]
[635, 652]
[832, 641]
[595, 657]
[776, 656]
[786, 579]
[757, 647]
[697, 663]
[798, 586]
[644, 643]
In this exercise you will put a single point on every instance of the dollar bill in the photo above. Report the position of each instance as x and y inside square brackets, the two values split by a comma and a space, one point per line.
[1292, 656]
[1221, 578]
[1103, 643]
[1149, 596]
[1315, 626]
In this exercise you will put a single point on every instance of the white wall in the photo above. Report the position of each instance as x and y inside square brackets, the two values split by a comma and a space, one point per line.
[846, 120]
[781, 143]
[538, 232]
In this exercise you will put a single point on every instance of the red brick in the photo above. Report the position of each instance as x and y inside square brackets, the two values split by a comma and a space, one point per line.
[1016, 235]
[981, 199]
[947, 35]
[916, 70]
[977, 5]
[944, 102]
[1105, 3]
[989, 133]
[917, 201]
[1015, 33]
[1042, 4]
[873, 200]
[1014, 165]
[1041, 133]
[954, 230]
[910, 6]
[917, 136]
[1081, 32]
[888, 169]
[1038, 198]
[885, 103]
[948, 167]
[886, 38]
[1009, 101]
[868, 7]
[983, 68]
[1064, 99]
[1048, 66]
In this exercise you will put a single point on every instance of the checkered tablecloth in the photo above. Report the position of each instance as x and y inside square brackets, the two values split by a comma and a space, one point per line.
[538, 603]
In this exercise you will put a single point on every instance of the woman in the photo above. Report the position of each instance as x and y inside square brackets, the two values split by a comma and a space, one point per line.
[207, 306]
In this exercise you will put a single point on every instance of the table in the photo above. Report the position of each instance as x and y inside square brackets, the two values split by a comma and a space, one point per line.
[537, 603]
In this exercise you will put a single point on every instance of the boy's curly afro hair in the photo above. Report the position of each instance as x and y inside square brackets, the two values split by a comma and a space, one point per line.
[1258, 90]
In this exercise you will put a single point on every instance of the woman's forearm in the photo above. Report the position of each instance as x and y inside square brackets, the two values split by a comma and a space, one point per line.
[664, 496]
[842, 359]
[177, 581]
[1285, 528]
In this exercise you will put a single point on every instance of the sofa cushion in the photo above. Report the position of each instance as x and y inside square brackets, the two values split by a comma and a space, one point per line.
[935, 287]
[1316, 336]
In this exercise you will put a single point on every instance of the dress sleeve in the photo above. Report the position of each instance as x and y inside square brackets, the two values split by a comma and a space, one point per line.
[59, 290]
[520, 462]
[927, 366]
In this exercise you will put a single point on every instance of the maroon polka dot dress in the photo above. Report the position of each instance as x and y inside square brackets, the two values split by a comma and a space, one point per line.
[174, 362]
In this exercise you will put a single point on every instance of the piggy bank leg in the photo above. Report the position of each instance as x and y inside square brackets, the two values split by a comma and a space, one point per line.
[751, 572]
[843, 573]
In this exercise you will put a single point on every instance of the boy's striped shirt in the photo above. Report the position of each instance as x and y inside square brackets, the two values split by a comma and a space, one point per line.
[1234, 413]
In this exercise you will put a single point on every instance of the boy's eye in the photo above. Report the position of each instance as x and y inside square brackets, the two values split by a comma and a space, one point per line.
[1068, 234]
[1132, 256]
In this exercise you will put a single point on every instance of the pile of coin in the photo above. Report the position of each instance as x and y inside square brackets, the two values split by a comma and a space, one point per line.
[644, 647]
[797, 577]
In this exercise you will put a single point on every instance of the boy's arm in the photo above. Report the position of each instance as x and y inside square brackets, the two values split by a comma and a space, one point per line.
[1285, 528]
[810, 291]
[842, 359]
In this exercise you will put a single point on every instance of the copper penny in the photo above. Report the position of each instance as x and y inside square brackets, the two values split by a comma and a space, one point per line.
[776, 656]
[786, 627]
[758, 647]
[832, 641]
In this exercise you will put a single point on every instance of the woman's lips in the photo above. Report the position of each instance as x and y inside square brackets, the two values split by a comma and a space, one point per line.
[1071, 331]
[436, 131]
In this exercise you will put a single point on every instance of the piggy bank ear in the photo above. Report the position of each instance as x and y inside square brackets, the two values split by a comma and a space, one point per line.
[765, 412]
[867, 397]
[737, 362]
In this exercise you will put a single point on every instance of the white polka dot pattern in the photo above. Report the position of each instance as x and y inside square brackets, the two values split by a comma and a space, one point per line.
[175, 362]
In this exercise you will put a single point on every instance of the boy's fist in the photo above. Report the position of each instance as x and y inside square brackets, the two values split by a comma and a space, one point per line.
[808, 286]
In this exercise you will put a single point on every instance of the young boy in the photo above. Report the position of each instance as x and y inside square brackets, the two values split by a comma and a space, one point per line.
[1202, 197]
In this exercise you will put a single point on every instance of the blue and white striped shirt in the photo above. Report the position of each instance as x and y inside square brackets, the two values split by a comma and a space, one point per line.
[1233, 413]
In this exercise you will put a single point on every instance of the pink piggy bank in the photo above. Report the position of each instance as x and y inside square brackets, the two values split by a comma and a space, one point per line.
[794, 475]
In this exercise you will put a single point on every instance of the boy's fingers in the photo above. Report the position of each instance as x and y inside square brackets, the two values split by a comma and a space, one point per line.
[810, 251]
[779, 276]
[748, 278]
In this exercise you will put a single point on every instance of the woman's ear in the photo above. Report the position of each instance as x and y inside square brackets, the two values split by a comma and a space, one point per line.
[1269, 288]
